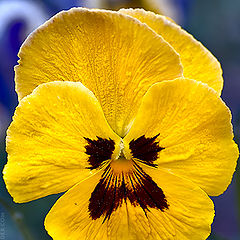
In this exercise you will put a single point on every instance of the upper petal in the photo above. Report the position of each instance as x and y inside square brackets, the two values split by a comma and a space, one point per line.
[198, 63]
[46, 142]
[195, 132]
[117, 57]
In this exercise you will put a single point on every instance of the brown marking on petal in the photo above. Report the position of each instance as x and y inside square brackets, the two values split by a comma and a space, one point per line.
[145, 149]
[99, 151]
[114, 188]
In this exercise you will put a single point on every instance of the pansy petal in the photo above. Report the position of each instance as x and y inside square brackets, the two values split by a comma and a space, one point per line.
[189, 215]
[198, 63]
[195, 131]
[116, 56]
[46, 142]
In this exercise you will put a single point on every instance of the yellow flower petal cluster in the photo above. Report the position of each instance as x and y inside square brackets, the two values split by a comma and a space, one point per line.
[121, 110]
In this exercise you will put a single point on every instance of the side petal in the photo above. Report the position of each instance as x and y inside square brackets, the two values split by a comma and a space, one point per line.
[189, 215]
[198, 63]
[195, 132]
[46, 142]
[117, 57]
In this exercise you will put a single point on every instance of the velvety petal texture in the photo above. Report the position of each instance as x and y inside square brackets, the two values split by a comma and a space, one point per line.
[114, 55]
[121, 111]
[45, 142]
[198, 63]
[195, 131]
[189, 216]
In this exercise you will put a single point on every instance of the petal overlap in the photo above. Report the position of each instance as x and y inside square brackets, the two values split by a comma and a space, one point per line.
[122, 112]
[194, 127]
[46, 140]
[198, 63]
[117, 57]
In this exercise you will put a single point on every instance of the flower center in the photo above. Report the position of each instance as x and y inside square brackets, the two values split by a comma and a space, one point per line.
[121, 165]
[123, 179]
[101, 151]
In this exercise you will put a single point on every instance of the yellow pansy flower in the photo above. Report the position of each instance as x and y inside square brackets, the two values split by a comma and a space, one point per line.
[110, 113]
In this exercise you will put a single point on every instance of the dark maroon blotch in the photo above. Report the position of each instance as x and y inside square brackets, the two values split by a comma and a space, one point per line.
[112, 190]
[148, 191]
[99, 151]
[145, 149]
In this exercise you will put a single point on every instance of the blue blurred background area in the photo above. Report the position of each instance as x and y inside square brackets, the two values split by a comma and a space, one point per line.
[216, 23]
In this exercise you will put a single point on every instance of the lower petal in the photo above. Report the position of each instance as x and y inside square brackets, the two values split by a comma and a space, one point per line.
[189, 215]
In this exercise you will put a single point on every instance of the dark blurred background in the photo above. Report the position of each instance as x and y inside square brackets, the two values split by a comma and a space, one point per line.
[216, 23]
